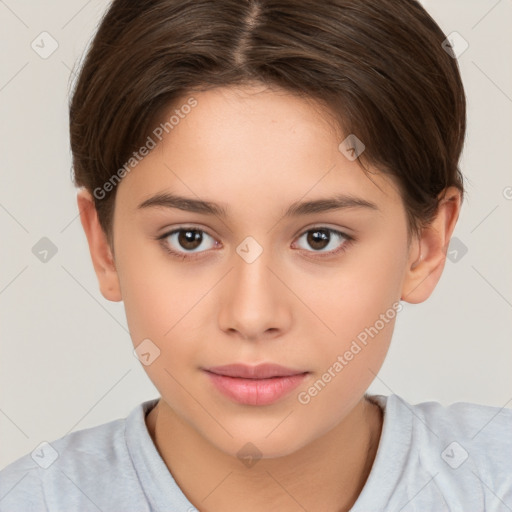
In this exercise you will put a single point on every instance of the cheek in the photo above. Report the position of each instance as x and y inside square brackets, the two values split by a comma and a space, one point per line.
[345, 306]
[160, 306]
[159, 294]
[163, 305]
[360, 307]
[355, 309]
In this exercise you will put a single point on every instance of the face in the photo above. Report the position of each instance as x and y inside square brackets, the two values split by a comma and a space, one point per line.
[315, 290]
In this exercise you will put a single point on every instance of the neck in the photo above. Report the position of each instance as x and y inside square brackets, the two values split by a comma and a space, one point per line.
[328, 474]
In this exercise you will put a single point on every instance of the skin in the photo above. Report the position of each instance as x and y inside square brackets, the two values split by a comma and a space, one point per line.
[256, 151]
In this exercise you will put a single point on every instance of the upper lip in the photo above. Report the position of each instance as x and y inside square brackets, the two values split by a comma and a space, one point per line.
[260, 371]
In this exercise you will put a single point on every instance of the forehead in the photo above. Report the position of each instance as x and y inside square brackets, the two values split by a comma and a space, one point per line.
[251, 146]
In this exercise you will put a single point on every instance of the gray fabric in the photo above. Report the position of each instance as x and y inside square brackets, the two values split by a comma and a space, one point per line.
[116, 467]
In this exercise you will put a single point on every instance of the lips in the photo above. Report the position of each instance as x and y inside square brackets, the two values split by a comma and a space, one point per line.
[261, 371]
[259, 385]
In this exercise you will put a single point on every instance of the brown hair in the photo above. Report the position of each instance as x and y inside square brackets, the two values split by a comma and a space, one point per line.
[378, 66]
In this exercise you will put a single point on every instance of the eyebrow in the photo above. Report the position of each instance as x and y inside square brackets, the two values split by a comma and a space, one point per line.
[337, 202]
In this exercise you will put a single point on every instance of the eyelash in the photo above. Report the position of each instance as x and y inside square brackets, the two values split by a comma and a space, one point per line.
[192, 256]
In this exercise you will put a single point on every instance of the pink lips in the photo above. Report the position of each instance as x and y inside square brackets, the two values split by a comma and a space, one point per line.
[255, 385]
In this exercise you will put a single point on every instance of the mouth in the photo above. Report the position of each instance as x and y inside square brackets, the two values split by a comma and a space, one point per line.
[261, 371]
[263, 384]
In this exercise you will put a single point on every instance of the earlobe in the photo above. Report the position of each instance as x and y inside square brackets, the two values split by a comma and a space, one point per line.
[99, 248]
[427, 256]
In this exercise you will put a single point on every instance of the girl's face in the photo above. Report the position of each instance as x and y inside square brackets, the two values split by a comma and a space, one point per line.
[315, 290]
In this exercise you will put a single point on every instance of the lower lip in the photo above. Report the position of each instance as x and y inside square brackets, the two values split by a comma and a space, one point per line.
[256, 391]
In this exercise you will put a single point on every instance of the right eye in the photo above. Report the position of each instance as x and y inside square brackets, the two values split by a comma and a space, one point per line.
[184, 241]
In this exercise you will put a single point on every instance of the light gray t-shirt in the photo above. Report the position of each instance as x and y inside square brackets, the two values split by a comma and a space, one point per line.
[430, 458]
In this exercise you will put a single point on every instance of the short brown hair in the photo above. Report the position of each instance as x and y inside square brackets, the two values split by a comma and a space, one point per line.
[377, 65]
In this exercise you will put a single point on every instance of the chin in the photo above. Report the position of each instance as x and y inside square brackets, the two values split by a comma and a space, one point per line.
[260, 445]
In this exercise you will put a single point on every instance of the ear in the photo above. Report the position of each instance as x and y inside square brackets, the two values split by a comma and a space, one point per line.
[101, 253]
[427, 255]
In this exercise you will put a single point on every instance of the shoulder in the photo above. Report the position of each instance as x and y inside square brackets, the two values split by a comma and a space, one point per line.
[461, 451]
[83, 467]
[484, 432]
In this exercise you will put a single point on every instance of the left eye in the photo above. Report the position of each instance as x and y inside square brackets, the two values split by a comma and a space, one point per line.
[321, 238]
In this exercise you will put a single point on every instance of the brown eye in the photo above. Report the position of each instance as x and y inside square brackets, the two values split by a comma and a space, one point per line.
[189, 239]
[318, 239]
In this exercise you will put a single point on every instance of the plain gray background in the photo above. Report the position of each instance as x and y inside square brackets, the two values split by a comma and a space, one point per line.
[67, 360]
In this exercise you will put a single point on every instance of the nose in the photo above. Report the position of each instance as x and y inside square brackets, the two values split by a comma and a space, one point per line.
[255, 302]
